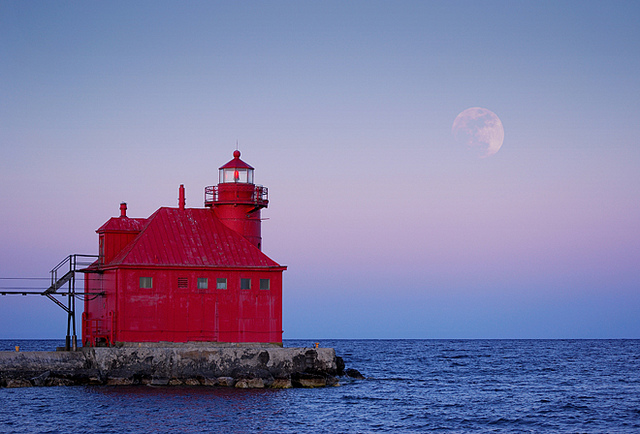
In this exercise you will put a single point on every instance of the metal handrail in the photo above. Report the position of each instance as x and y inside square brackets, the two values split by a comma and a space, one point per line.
[73, 262]
[259, 196]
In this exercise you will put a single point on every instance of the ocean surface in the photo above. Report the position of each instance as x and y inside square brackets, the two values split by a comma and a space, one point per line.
[536, 386]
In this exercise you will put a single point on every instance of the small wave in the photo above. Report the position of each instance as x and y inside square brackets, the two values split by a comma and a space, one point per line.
[455, 356]
[363, 398]
[391, 379]
[504, 421]
[572, 406]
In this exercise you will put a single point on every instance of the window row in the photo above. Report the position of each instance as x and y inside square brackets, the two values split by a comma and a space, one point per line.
[203, 283]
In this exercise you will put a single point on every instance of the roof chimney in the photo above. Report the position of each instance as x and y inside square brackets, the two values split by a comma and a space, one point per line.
[123, 209]
[182, 201]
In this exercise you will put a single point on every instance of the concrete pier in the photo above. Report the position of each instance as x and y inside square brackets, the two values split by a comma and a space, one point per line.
[242, 367]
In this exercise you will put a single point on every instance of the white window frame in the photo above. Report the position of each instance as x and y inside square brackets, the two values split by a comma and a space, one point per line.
[221, 283]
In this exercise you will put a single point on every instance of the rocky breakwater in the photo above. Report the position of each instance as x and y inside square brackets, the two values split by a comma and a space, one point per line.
[260, 367]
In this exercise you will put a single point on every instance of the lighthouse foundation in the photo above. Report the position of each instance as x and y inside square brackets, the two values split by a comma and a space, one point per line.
[193, 365]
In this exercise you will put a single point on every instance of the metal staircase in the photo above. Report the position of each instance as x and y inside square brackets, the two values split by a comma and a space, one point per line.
[67, 269]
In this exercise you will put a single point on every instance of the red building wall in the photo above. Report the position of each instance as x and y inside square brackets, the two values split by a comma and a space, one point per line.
[174, 312]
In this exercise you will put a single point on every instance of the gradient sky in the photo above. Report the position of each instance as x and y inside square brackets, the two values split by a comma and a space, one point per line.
[345, 109]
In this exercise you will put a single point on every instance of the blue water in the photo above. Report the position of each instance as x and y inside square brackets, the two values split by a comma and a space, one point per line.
[536, 386]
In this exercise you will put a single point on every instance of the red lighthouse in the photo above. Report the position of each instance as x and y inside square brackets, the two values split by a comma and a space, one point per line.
[237, 201]
[187, 274]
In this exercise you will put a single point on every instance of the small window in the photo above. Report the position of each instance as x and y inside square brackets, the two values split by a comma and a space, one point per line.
[146, 282]
[203, 283]
[221, 283]
[265, 284]
[183, 282]
[245, 283]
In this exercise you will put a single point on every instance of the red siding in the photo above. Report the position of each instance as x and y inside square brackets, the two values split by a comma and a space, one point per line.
[168, 313]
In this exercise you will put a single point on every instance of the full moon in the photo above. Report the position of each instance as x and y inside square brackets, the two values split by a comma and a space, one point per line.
[479, 130]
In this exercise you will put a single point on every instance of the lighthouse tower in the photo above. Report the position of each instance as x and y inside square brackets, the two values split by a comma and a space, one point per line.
[237, 201]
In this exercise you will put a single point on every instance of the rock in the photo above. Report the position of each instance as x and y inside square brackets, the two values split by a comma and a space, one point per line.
[226, 381]
[145, 381]
[191, 382]
[94, 381]
[11, 383]
[281, 383]
[268, 382]
[250, 383]
[56, 381]
[175, 382]
[209, 382]
[301, 379]
[354, 373]
[159, 382]
[332, 381]
[119, 381]
[312, 382]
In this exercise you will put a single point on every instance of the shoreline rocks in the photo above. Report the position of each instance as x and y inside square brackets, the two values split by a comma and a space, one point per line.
[240, 367]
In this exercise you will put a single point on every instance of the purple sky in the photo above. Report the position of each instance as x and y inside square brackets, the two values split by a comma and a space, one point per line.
[345, 109]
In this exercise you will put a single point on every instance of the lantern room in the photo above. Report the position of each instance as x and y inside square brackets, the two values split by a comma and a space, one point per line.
[236, 171]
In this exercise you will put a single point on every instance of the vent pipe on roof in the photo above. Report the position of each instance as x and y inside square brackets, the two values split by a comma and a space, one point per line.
[123, 209]
[182, 201]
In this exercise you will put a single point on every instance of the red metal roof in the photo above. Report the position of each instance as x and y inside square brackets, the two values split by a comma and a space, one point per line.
[190, 237]
[123, 224]
[236, 163]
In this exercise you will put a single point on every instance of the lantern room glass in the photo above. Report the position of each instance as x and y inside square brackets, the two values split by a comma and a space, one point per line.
[233, 174]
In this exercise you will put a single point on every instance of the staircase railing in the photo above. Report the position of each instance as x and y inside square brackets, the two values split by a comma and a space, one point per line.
[61, 275]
